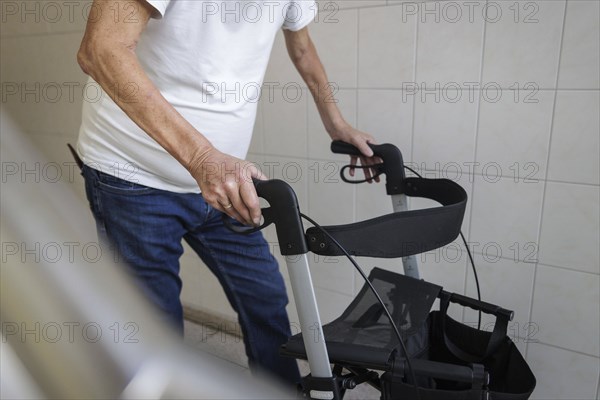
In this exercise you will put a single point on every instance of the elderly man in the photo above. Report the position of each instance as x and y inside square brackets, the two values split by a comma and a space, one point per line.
[164, 148]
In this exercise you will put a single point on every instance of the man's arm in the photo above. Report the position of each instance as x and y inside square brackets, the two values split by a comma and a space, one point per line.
[107, 54]
[304, 56]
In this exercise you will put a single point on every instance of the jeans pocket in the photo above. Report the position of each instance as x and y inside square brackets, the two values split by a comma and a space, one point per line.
[112, 184]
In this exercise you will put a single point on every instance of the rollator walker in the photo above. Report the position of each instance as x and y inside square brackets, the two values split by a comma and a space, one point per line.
[403, 349]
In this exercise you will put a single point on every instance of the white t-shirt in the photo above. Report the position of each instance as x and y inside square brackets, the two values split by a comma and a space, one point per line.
[208, 59]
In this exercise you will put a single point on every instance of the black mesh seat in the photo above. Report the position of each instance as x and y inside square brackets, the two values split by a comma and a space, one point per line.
[363, 336]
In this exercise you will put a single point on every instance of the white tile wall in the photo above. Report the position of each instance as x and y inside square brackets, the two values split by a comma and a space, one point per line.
[515, 133]
[318, 138]
[562, 374]
[569, 236]
[333, 274]
[49, 84]
[575, 140]
[444, 129]
[40, 17]
[371, 48]
[449, 43]
[335, 39]
[329, 199]
[285, 122]
[524, 44]
[496, 279]
[386, 55]
[506, 217]
[566, 306]
[580, 59]
[331, 304]
[23, 19]
[387, 115]
[445, 267]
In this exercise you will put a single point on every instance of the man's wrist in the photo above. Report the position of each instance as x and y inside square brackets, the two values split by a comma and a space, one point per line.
[198, 157]
[338, 129]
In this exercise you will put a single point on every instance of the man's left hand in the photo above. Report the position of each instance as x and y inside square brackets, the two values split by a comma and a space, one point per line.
[361, 141]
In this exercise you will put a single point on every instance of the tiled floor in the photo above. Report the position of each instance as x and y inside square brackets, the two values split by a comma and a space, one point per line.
[231, 348]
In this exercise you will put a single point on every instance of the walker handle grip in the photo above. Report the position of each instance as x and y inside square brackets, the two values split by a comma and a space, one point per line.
[284, 212]
[393, 165]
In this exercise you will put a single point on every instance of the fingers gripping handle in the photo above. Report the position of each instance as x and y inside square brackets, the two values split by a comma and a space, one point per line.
[393, 165]
[283, 212]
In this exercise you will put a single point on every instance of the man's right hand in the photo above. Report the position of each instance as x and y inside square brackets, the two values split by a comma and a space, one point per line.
[226, 184]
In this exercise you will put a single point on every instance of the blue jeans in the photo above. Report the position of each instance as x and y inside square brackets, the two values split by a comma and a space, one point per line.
[146, 226]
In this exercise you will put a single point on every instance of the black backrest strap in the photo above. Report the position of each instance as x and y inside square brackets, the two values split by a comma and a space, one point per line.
[404, 233]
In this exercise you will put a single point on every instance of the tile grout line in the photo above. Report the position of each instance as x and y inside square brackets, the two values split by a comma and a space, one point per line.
[263, 139]
[475, 142]
[356, 114]
[414, 102]
[581, 353]
[307, 186]
[540, 264]
[425, 171]
[413, 112]
[545, 181]
[462, 88]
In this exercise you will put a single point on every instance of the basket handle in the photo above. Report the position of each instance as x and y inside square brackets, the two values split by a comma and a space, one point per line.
[498, 334]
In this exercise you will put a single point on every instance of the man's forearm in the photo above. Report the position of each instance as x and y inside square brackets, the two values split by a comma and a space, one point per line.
[118, 72]
[304, 56]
